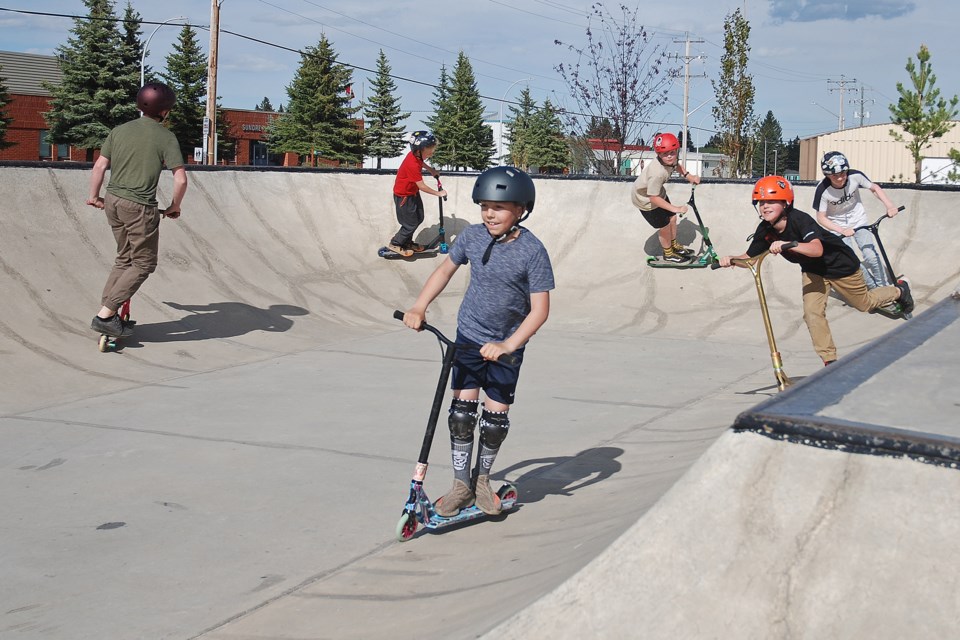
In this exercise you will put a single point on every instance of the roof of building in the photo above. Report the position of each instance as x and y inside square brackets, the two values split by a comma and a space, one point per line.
[25, 73]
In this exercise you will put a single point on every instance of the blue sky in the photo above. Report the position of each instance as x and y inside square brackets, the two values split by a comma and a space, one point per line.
[802, 51]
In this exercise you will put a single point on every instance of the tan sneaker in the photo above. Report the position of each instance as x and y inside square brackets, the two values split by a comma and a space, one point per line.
[406, 253]
[487, 500]
[459, 497]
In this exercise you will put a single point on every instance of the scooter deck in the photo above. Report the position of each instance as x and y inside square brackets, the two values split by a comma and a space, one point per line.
[389, 254]
[657, 262]
[470, 513]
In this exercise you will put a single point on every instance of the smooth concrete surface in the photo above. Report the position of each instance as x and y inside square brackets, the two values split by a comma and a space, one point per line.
[237, 469]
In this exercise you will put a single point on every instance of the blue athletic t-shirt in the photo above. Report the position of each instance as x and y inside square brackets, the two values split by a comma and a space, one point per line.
[498, 296]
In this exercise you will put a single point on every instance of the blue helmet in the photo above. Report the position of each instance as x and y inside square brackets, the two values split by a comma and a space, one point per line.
[421, 140]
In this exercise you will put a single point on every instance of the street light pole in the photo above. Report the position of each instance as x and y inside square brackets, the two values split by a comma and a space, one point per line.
[147, 44]
[500, 141]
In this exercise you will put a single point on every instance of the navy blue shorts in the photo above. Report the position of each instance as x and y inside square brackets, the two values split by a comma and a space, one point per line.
[471, 371]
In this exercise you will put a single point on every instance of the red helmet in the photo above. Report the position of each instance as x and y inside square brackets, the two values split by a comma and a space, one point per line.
[773, 188]
[154, 98]
[664, 142]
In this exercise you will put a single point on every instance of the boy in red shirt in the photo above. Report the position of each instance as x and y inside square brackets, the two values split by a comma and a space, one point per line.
[406, 192]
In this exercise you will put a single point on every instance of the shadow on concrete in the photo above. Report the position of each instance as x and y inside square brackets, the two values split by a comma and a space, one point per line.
[562, 475]
[216, 320]
[688, 233]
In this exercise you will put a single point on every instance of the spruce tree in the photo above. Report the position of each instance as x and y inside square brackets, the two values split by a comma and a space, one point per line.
[93, 96]
[548, 148]
[5, 121]
[518, 139]
[264, 105]
[474, 140]
[226, 142]
[383, 136]
[769, 153]
[186, 74]
[319, 120]
[441, 123]
[131, 51]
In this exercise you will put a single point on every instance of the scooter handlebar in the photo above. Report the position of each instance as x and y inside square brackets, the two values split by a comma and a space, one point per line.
[876, 224]
[786, 245]
[505, 358]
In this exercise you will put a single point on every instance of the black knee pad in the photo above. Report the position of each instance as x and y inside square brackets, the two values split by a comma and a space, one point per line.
[463, 417]
[493, 428]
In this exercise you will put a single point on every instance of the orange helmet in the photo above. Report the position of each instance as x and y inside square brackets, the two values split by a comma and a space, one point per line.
[664, 142]
[773, 188]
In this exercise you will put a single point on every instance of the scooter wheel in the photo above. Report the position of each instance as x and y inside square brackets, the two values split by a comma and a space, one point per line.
[508, 492]
[406, 527]
[104, 344]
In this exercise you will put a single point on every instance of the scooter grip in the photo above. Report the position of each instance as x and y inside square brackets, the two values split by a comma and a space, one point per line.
[398, 315]
[789, 245]
[508, 359]
[714, 265]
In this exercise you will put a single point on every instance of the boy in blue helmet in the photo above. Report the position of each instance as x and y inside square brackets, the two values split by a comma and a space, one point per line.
[507, 301]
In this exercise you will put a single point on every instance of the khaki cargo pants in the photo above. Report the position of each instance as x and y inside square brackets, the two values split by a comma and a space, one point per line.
[853, 288]
[136, 228]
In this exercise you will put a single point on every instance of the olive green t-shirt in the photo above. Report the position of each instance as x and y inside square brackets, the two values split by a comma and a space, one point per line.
[138, 151]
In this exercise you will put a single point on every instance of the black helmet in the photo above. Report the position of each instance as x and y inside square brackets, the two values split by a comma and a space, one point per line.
[834, 162]
[505, 184]
[422, 139]
[154, 98]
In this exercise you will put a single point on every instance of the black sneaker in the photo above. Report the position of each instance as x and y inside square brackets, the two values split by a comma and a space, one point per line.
[112, 327]
[684, 251]
[676, 258]
[905, 299]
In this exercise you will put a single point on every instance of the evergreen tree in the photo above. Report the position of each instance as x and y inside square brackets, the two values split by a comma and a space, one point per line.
[791, 154]
[132, 51]
[186, 74]
[441, 123]
[383, 136]
[319, 120]
[264, 105]
[921, 113]
[94, 96]
[5, 121]
[518, 138]
[226, 142]
[733, 112]
[768, 149]
[548, 148]
[473, 140]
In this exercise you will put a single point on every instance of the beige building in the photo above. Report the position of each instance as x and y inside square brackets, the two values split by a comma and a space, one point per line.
[872, 150]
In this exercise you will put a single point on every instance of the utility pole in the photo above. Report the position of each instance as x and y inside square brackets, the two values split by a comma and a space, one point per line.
[842, 88]
[861, 112]
[686, 87]
[210, 121]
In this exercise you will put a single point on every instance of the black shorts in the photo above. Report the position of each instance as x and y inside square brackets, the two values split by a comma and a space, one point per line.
[471, 371]
[658, 218]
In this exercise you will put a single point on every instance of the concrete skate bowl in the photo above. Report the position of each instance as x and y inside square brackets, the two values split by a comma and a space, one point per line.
[237, 467]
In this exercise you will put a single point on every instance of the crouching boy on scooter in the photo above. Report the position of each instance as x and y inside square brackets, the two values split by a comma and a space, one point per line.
[825, 261]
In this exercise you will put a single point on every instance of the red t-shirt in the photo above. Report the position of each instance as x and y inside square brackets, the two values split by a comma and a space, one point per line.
[408, 175]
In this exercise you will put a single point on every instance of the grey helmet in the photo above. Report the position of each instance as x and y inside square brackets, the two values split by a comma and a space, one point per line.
[422, 139]
[834, 162]
[505, 184]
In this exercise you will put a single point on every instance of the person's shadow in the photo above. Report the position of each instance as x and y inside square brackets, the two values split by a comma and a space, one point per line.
[562, 475]
[215, 320]
[687, 234]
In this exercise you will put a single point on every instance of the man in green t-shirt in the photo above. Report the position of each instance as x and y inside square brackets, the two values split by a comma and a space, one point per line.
[135, 153]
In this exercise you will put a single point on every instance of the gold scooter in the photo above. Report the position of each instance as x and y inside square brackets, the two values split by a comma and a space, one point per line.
[783, 381]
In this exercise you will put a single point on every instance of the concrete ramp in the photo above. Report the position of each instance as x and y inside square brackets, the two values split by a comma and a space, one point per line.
[237, 469]
[830, 511]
